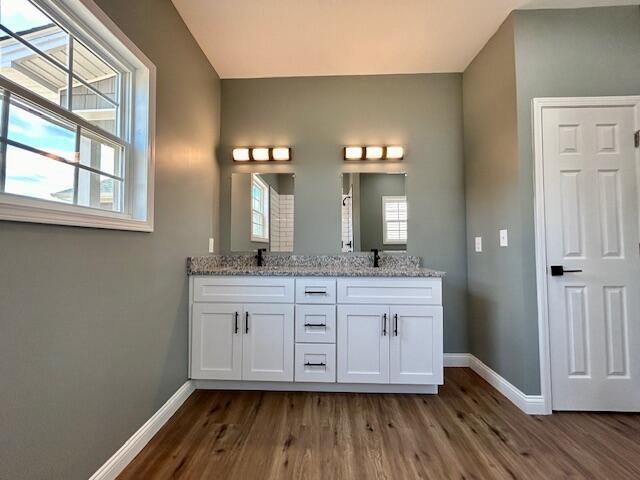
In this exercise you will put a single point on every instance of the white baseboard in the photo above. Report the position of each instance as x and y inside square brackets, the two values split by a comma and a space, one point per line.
[112, 467]
[529, 404]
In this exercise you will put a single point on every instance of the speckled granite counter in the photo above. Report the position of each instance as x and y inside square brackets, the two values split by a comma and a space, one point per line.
[351, 265]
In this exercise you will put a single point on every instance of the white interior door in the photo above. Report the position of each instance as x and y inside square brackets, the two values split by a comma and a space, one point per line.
[415, 355]
[267, 350]
[591, 207]
[216, 347]
[363, 344]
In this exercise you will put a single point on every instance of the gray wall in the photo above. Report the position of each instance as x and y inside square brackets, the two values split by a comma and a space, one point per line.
[93, 323]
[317, 116]
[536, 53]
[496, 323]
[373, 186]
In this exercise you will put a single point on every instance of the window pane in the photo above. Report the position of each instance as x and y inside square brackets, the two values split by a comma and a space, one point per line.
[98, 191]
[40, 130]
[32, 25]
[93, 70]
[31, 71]
[100, 154]
[94, 109]
[37, 176]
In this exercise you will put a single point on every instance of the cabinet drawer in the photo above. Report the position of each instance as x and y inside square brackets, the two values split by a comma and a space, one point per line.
[315, 362]
[390, 291]
[243, 289]
[316, 323]
[315, 290]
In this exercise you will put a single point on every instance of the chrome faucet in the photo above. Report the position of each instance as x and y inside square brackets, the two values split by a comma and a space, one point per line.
[260, 256]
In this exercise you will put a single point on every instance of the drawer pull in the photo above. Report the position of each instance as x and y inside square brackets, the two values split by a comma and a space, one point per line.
[314, 292]
[315, 324]
[309, 364]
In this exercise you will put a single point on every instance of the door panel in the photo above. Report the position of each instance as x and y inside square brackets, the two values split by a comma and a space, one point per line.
[268, 342]
[591, 204]
[216, 347]
[363, 344]
[416, 345]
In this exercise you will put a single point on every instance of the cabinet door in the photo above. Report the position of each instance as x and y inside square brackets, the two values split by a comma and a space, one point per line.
[267, 342]
[216, 343]
[416, 345]
[363, 344]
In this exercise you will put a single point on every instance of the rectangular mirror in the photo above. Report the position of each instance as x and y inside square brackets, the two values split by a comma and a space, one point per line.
[262, 207]
[374, 212]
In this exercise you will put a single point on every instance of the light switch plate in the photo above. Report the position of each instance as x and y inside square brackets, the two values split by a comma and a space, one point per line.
[211, 245]
[504, 238]
[478, 244]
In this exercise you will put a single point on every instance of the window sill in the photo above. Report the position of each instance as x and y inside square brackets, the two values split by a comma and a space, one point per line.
[22, 209]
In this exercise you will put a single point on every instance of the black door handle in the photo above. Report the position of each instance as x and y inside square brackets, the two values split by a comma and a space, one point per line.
[395, 326]
[558, 271]
[384, 325]
[246, 322]
[315, 324]
[236, 323]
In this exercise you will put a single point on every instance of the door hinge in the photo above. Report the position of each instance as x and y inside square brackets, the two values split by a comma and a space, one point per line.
[636, 139]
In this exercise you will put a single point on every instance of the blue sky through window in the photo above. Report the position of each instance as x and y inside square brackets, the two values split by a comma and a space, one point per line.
[21, 15]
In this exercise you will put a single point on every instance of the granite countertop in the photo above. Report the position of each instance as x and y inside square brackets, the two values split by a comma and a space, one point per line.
[310, 266]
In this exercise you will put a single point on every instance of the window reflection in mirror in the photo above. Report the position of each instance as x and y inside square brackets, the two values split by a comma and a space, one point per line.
[374, 212]
[262, 211]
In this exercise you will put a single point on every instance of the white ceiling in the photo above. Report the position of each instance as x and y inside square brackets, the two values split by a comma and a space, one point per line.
[283, 38]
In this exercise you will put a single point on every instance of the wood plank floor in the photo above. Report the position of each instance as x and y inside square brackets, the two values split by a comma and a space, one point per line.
[468, 431]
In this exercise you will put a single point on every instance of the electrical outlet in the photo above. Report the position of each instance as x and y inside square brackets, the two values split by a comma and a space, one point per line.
[211, 245]
[478, 244]
[504, 238]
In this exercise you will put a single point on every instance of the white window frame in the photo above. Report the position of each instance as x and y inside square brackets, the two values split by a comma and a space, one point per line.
[255, 179]
[392, 199]
[87, 22]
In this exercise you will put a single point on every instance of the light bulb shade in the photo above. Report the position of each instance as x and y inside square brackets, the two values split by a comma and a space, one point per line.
[353, 153]
[395, 153]
[281, 153]
[260, 154]
[241, 155]
[374, 153]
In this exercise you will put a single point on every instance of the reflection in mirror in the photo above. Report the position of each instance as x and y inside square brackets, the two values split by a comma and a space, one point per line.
[262, 212]
[374, 212]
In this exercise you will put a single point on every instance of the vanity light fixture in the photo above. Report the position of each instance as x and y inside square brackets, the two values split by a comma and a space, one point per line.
[374, 153]
[281, 154]
[262, 154]
[353, 153]
[241, 155]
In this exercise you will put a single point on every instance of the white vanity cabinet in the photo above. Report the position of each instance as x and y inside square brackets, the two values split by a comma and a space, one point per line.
[242, 341]
[380, 334]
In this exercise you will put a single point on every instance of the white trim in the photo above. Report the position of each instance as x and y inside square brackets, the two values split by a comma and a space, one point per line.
[529, 404]
[457, 360]
[119, 460]
[314, 387]
[538, 105]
